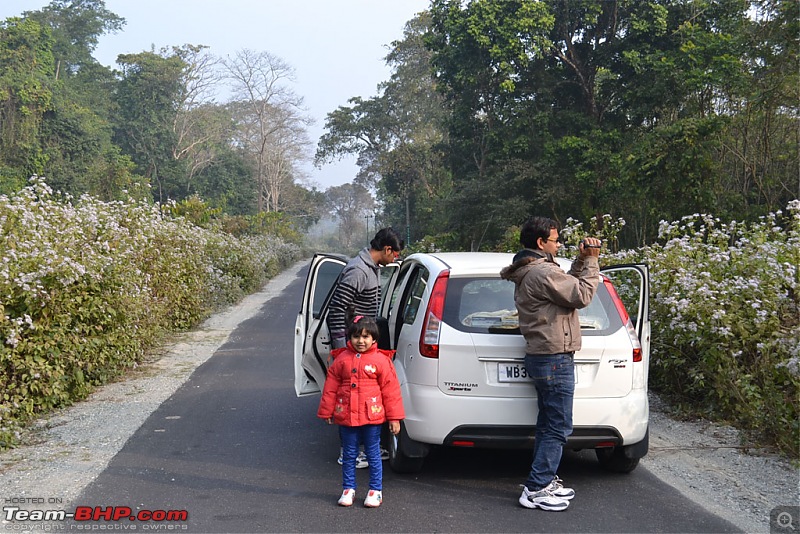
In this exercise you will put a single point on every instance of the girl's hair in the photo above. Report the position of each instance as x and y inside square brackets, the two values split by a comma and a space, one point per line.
[361, 322]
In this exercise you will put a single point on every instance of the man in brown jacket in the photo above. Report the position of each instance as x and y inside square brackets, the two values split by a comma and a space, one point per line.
[547, 301]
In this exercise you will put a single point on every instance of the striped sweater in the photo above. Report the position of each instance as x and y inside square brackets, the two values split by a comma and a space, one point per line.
[358, 290]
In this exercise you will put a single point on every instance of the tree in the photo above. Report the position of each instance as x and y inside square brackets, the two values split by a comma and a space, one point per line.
[350, 203]
[26, 71]
[758, 149]
[228, 182]
[171, 124]
[76, 26]
[615, 106]
[75, 136]
[200, 127]
[397, 136]
[305, 206]
[147, 100]
[271, 121]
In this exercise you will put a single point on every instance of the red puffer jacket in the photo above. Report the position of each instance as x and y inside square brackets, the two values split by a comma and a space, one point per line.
[361, 389]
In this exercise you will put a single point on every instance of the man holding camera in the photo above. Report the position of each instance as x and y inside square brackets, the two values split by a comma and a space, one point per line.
[547, 301]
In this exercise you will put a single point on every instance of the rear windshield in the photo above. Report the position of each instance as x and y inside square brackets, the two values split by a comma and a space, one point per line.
[486, 305]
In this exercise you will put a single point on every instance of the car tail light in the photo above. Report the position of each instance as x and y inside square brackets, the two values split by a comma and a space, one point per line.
[626, 320]
[431, 328]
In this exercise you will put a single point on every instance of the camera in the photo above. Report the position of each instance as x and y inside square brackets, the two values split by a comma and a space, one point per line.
[585, 245]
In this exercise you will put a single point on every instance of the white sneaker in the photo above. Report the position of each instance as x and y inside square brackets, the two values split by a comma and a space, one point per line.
[361, 460]
[543, 499]
[347, 497]
[557, 489]
[374, 499]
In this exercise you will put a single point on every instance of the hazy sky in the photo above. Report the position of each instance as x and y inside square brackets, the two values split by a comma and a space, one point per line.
[335, 46]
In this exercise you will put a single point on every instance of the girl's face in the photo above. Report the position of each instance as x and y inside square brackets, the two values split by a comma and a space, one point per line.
[362, 341]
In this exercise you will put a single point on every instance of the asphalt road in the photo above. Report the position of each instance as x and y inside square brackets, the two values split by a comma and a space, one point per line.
[238, 452]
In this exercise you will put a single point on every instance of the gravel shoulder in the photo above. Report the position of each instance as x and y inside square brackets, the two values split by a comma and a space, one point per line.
[706, 462]
[68, 449]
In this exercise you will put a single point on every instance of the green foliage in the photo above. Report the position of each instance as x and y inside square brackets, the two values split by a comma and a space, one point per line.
[194, 210]
[199, 213]
[641, 110]
[265, 223]
[89, 286]
[76, 28]
[228, 183]
[397, 137]
[26, 68]
[510, 240]
[145, 101]
[432, 243]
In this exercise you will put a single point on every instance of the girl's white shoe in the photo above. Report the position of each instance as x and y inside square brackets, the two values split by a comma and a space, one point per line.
[347, 497]
[374, 499]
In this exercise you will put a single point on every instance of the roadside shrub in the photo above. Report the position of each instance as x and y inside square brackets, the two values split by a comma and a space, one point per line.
[725, 313]
[725, 316]
[266, 223]
[86, 287]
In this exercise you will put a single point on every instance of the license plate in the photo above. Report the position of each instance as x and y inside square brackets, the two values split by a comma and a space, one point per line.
[516, 372]
[512, 372]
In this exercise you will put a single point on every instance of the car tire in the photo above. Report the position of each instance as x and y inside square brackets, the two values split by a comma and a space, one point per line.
[614, 459]
[399, 460]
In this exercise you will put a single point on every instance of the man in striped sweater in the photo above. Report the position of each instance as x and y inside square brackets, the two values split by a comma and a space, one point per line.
[359, 289]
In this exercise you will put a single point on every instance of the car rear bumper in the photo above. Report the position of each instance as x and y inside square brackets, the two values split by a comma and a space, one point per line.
[521, 437]
[435, 418]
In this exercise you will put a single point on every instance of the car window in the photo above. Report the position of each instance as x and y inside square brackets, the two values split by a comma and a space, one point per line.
[486, 305]
[405, 267]
[386, 277]
[594, 316]
[327, 274]
[628, 285]
[418, 284]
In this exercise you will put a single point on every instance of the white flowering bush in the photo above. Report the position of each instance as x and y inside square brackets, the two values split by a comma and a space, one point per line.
[725, 312]
[605, 228]
[86, 287]
[726, 320]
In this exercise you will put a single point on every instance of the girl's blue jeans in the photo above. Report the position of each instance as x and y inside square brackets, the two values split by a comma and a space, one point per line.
[370, 436]
[554, 378]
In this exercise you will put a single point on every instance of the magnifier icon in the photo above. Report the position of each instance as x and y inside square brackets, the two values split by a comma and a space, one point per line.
[785, 520]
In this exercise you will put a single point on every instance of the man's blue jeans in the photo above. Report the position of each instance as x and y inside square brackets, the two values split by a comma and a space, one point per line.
[370, 436]
[554, 378]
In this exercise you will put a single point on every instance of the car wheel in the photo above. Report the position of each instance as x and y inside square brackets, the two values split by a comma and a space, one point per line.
[614, 459]
[399, 461]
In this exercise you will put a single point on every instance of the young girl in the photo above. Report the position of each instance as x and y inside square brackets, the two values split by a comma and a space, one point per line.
[361, 393]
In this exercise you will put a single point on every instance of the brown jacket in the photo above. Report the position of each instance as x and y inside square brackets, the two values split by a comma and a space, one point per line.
[548, 300]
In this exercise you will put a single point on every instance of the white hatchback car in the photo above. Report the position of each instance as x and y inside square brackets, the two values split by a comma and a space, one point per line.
[453, 323]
